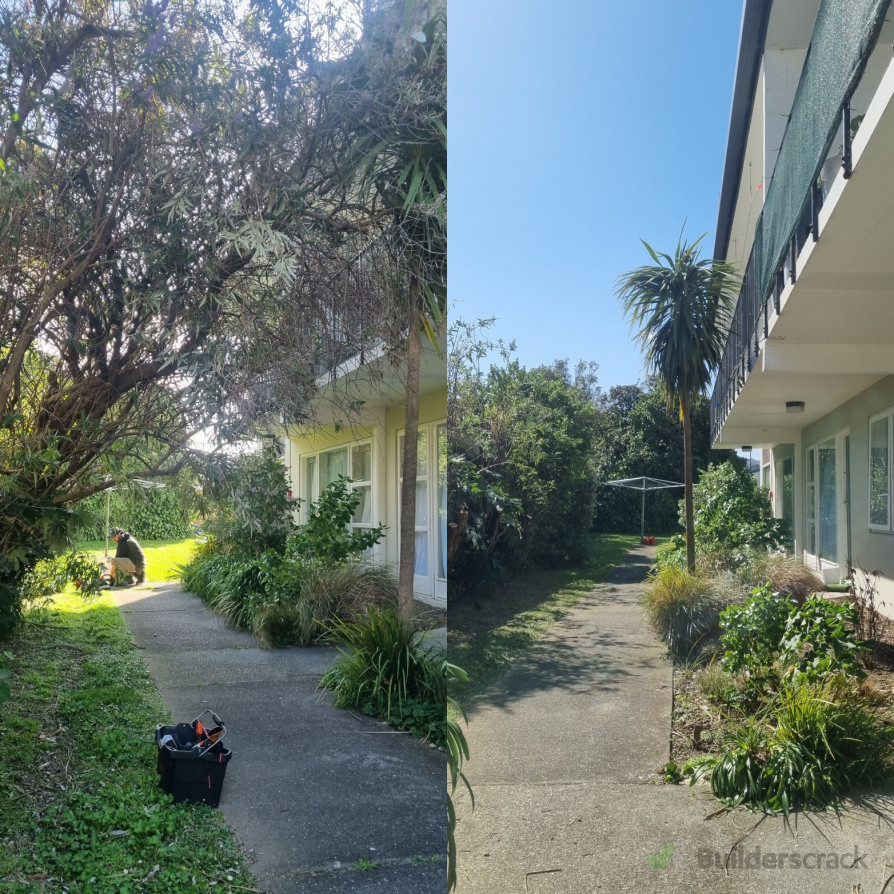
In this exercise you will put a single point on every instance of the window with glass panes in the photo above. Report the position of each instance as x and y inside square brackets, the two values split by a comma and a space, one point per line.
[431, 504]
[318, 470]
[881, 445]
[821, 501]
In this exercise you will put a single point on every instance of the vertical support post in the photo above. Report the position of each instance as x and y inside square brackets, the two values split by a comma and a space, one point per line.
[642, 517]
[847, 161]
[108, 507]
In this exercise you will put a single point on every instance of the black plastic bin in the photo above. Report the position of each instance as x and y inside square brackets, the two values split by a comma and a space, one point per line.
[193, 772]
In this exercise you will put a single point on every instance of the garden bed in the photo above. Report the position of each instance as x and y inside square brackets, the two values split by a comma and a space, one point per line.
[699, 723]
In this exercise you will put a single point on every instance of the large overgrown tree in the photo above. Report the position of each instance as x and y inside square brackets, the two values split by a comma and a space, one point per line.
[150, 209]
[680, 309]
[522, 481]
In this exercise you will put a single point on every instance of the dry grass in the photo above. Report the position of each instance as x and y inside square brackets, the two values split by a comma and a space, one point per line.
[787, 575]
[326, 592]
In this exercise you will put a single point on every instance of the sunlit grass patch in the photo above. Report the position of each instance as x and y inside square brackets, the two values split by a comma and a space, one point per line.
[162, 556]
[80, 804]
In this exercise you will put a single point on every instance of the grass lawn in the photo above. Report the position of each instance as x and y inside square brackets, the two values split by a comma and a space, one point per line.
[162, 556]
[485, 635]
[81, 809]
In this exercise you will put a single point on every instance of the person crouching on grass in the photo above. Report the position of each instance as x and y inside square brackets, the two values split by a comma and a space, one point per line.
[129, 559]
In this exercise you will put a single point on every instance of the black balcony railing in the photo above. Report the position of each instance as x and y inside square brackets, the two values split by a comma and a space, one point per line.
[844, 35]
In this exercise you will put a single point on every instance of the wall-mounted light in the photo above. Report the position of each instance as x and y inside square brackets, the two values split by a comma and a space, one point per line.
[794, 406]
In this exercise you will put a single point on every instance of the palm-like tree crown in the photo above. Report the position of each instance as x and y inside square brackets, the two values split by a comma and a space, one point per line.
[680, 307]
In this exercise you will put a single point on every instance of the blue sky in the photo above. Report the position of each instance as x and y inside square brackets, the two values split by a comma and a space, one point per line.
[577, 129]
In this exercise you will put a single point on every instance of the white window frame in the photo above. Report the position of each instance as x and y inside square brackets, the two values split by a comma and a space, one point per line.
[431, 584]
[314, 490]
[888, 417]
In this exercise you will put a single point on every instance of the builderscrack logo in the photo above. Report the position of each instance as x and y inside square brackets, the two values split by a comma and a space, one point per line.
[758, 859]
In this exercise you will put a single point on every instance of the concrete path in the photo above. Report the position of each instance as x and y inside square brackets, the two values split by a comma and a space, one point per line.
[310, 789]
[565, 752]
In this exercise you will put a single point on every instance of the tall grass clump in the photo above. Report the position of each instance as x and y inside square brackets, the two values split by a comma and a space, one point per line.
[316, 594]
[385, 671]
[682, 608]
[785, 574]
[811, 744]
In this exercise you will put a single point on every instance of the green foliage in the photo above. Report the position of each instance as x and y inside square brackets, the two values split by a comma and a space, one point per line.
[156, 513]
[236, 586]
[635, 435]
[326, 537]
[50, 576]
[287, 595]
[253, 511]
[682, 609]
[382, 667]
[79, 795]
[286, 601]
[809, 746]
[520, 442]
[811, 642]
[732, 513]
[280, 624]
[679, 308]
[5, 674]
[752, 632]
[457, 754]
[819, 639]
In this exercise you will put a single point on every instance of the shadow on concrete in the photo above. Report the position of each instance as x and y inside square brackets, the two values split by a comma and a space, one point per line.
[601, 646]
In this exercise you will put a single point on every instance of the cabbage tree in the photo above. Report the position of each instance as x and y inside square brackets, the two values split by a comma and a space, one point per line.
[680, 309]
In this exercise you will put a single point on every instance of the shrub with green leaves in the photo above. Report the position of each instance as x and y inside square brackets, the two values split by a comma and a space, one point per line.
[752, 632]
[156, 513]
[253, 511]
[5, 674]
[382, 668]
[820, 639]
[49, 576]
[732, 514]
[326, 536]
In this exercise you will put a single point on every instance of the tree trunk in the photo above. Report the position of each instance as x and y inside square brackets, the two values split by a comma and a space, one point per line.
[685, 406]
[407, 563]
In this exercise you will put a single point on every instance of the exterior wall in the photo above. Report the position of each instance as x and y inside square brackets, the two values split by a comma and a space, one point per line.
[382, 426]
[750, 200]
[869, 549]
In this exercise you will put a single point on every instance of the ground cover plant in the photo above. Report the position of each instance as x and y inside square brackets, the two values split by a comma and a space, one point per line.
[786, 718]
[81, 809]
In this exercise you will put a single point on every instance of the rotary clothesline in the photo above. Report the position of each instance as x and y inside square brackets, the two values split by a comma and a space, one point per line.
[643, 483]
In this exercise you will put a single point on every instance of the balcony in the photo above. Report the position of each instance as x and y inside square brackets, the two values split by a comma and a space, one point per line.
[814, 321]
